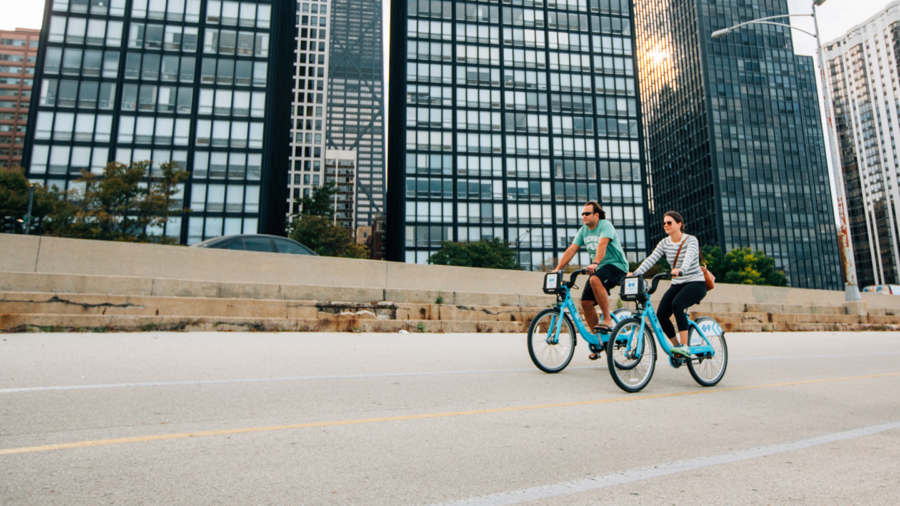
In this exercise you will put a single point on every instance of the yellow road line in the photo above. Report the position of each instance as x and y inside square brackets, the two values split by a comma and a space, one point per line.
[163, 437]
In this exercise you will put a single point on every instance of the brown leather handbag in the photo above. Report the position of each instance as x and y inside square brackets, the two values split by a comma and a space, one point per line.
[709, 277]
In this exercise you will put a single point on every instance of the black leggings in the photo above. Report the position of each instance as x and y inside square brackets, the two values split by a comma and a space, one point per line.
[676, 299]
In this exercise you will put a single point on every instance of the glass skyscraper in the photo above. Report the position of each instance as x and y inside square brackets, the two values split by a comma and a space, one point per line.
[200, 82]
[734, 137]
[356, 99]
[506, 117]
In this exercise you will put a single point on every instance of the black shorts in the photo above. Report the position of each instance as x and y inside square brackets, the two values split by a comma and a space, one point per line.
[610, 275]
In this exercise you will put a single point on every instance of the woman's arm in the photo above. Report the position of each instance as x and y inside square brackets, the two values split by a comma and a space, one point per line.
[692, 254]
[651, 260]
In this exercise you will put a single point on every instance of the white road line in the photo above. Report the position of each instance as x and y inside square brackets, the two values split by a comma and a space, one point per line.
[358, 376]
[610, 480]
[840, 355]
[253, 380]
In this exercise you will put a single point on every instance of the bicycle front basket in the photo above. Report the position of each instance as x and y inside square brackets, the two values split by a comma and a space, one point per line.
[553, 282]
[634, 289]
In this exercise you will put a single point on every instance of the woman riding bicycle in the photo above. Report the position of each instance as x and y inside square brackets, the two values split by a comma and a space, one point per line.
[688, 284]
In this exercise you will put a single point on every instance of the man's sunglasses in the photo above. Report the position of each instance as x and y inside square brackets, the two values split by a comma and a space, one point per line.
[587, 214]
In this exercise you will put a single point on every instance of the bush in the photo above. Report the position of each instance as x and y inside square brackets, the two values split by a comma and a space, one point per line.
[493, 254]
[319, 234]
[743, 266]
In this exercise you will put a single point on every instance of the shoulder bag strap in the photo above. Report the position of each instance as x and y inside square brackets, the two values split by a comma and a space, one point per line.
[675, 263]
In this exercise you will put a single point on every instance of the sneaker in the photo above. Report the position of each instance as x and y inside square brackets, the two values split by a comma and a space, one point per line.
[682, 350]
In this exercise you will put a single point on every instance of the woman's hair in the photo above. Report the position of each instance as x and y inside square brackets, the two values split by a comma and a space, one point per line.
[677, 217]
[597, 209]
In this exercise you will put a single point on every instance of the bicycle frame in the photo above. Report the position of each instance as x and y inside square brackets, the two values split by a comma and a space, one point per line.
[648, 314]
[567, 304]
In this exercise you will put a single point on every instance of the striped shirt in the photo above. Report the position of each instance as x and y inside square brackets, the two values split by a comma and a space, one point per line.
[688, 260]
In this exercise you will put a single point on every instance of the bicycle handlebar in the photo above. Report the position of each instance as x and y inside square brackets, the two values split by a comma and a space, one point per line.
[574, 276]
[656, 280]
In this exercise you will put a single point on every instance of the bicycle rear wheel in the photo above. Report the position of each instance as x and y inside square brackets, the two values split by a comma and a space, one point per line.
[708, 371]
[631, 370]
[549, 351]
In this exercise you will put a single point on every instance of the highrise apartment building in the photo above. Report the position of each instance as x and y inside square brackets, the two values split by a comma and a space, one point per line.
[341, 168]
[733, 134]
[205, 83]
[18, 54]
[356, 99]
[863, 73]
[506, 117]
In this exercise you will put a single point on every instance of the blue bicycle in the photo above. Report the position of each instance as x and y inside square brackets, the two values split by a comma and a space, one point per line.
[551, 335]
[631, 351]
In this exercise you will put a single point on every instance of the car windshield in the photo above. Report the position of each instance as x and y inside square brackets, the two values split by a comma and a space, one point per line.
[257, 244]
[289, 247]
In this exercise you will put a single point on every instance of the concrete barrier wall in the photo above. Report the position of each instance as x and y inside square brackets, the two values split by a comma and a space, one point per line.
[174, 268]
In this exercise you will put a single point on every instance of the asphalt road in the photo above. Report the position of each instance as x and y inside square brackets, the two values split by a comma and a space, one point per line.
[403, 419]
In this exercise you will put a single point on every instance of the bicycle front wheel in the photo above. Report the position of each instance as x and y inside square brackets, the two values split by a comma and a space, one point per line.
[621, 314]
[630, 367]
[708, 371]
[551, 351]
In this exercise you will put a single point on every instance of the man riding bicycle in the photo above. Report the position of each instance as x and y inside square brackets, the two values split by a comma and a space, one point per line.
[607, 270]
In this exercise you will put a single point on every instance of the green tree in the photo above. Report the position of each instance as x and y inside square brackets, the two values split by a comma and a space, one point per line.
[47, 203]
[122, 204]
[743, 266]
[321, 203]
[314, 226]
[321, 235]
[492, 254]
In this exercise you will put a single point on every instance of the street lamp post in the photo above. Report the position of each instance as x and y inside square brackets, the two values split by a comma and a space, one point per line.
[518, 255]
[851, 285]
[28, 218]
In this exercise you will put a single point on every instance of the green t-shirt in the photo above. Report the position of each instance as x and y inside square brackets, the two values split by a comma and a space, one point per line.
[591, 238]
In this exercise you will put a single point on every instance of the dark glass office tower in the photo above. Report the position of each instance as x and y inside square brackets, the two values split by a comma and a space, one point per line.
[734, 139]
[506, 117]
[206, 83]
[356, 99]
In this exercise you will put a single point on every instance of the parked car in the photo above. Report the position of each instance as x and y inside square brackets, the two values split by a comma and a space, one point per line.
[883, 289]
[256, 242]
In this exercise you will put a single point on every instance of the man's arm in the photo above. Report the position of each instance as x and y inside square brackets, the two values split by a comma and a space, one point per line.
[601, 252]
[567, 256]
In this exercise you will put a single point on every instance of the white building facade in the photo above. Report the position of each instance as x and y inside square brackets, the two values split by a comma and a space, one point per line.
[310, 103]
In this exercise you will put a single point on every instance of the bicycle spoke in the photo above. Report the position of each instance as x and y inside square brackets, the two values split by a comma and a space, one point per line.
[551, 341]
[709, 371]
[631, 370]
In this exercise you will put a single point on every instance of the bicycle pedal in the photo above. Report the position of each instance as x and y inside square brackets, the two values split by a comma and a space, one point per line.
[600, 329]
